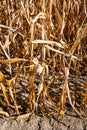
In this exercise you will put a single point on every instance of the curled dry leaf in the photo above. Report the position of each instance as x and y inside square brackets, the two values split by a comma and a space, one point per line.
[13, 60]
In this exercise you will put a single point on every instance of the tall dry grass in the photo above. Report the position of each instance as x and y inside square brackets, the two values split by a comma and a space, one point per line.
[43, 56]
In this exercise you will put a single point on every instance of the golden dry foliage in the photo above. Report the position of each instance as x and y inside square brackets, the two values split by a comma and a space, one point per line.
[43, 57]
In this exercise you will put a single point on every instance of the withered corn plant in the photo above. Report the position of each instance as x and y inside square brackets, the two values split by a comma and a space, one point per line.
[43, 57]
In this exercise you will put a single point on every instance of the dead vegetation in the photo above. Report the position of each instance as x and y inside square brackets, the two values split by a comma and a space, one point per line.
[43, 57]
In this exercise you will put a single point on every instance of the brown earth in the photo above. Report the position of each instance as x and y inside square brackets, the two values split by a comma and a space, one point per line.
[69, 122]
